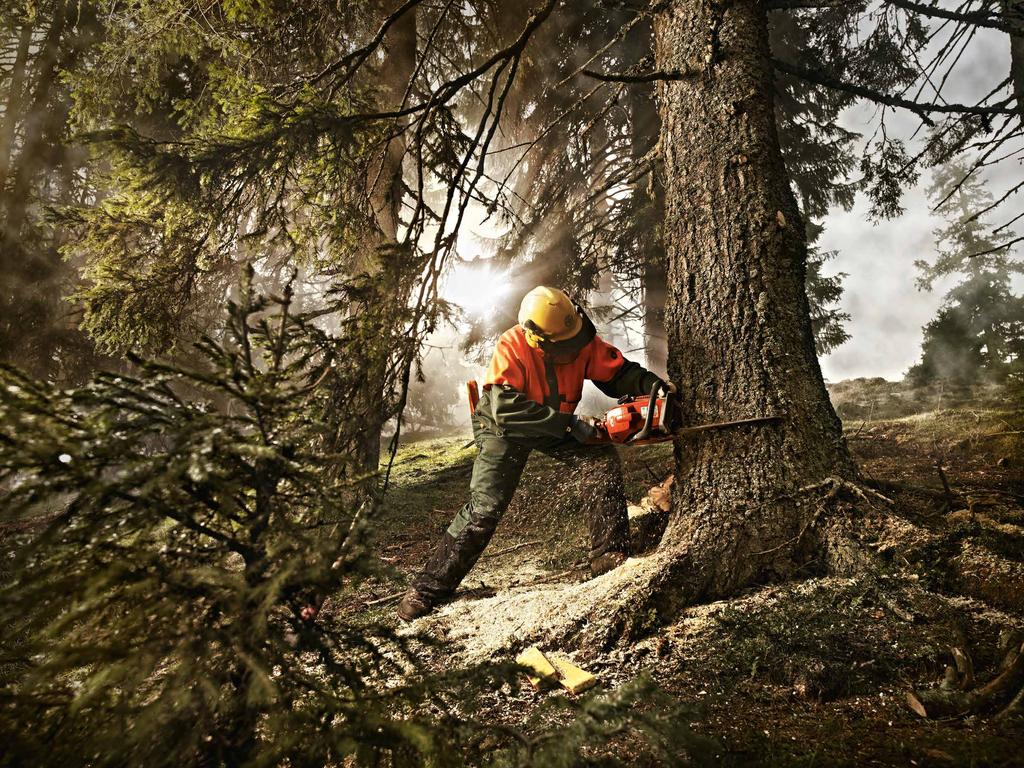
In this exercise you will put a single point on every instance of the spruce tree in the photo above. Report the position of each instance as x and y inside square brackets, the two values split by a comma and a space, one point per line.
[167, 539]
[166, 536]
[978, 334]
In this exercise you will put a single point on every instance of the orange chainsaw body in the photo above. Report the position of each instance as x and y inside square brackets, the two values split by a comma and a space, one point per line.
[627, 419]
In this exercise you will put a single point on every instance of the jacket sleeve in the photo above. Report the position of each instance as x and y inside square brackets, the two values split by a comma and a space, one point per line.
[616, 376]
[631, 379]
[510, 413]
[505, 369]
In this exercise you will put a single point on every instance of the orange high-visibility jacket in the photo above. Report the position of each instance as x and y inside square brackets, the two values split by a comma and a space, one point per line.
[518, 365]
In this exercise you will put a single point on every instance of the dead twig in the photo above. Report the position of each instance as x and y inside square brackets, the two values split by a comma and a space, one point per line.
[836, 484]
[950, 497]
[894, 486]
[382, 600]
[859, 430]
[514, 547]
[551, 577]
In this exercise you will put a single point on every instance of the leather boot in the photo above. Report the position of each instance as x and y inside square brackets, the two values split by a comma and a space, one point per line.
[413, 606]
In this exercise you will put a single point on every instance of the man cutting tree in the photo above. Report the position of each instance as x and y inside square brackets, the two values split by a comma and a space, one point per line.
[533, 385]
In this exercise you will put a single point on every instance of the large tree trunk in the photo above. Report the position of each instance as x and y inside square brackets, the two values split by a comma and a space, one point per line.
[12, 112]
[384, 191]
[740, 339]
[1013, 13]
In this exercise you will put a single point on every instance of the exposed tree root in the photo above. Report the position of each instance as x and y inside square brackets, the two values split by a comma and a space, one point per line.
[956, 696]
[587, 616]
[645, 592]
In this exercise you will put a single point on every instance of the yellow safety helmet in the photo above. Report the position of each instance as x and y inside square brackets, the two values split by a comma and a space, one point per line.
[548, 315]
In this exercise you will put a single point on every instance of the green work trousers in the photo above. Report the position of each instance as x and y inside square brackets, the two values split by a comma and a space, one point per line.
[593, 473]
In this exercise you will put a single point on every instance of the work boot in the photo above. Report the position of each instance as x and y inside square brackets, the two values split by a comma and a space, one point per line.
[413, 606]
[606, 562]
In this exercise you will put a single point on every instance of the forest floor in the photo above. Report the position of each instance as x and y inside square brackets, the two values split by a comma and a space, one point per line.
[807, 672]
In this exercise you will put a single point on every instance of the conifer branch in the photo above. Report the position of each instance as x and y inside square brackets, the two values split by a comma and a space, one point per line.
[922, 109]
[642, 77]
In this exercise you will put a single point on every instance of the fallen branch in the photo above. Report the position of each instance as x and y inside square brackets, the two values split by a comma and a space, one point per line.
[481, 591]
[900, 487]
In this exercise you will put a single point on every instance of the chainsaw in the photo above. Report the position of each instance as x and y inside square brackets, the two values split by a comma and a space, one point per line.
[656, 418]
[635, 421]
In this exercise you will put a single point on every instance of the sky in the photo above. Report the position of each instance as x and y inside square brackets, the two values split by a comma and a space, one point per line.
[886, 312]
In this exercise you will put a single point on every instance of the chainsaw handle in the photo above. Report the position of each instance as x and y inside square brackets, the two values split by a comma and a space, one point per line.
[652, 406]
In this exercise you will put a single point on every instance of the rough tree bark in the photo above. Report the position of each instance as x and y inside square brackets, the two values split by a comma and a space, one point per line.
[1013, 12]
[12, 113]
[739, 329]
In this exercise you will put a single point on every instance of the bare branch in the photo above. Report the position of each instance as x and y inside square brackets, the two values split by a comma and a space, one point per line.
[974, 18]
[996, 248]
[790, 5]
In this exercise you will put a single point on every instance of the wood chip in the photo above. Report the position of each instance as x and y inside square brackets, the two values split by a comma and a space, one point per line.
[535, 659]
[572, 678]
[552, 669]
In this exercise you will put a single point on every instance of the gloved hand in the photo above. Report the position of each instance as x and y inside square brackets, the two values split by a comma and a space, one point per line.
[670, 387]
[587, 429]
